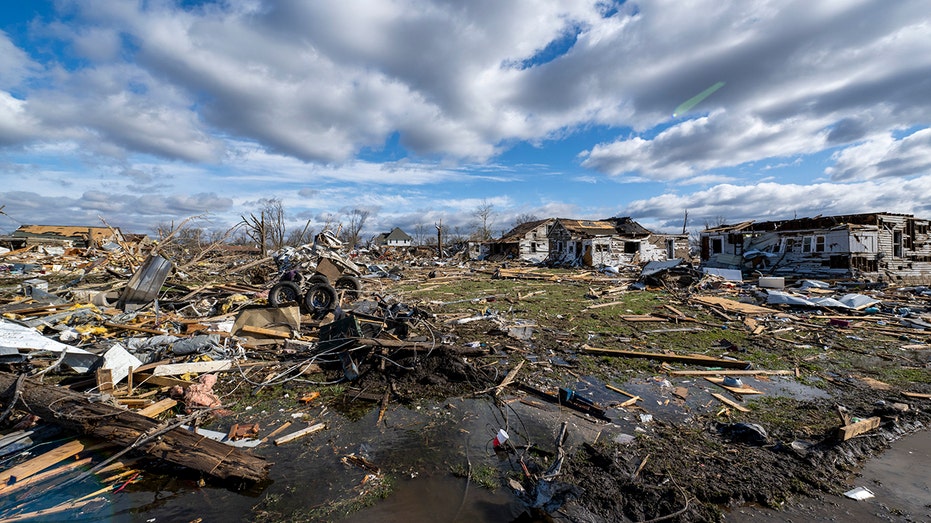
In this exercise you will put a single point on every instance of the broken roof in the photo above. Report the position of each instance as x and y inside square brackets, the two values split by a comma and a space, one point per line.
[71, 232]
[518, 232]
[624, 226]
[817, 222]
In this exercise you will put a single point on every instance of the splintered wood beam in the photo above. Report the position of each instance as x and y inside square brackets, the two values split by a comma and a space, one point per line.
[119, 426]
[855, 429]
[679, 358]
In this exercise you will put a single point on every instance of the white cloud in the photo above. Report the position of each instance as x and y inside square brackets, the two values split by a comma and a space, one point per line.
[883, 156]
[780, 201]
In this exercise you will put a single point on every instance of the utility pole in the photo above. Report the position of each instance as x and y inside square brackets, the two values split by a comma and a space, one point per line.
[439, 238]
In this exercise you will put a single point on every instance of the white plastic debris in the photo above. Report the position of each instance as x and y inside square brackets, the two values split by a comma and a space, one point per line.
[859, 493]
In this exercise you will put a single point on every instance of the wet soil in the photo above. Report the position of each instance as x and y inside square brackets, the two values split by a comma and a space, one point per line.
[678, 454]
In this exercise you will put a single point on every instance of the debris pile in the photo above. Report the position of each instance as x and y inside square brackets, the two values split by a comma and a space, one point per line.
[137, 346]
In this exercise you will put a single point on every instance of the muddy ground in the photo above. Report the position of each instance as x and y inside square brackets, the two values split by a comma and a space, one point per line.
[678, 454]
[694, 460]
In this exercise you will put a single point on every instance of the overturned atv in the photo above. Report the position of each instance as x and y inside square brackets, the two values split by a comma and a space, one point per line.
[315, 294]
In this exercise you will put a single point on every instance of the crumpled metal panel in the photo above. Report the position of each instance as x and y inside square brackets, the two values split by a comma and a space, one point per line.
[145, 283]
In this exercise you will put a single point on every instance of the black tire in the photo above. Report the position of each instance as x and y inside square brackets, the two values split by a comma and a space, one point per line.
[318, 278]
[321, 298]
[283, 293]
[349, 286]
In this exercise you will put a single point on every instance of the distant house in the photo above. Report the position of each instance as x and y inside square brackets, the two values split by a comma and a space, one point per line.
[528, 241]
[395, 238]
[62, 236]
[612, 241]
[873, 245]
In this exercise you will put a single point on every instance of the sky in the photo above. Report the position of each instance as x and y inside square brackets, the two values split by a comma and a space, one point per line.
[143, 113]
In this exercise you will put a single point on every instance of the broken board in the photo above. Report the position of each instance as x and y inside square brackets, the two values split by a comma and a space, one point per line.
[854, 429]
[733, 305]
[745, 389]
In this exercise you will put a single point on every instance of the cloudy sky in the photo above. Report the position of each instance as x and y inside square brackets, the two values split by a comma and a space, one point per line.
[151, 111]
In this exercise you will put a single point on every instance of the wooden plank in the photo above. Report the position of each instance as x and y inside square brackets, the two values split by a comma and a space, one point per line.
[729, 402]
[177, 369]
[633, 398]
[680, 358]
[272, 333]
[854, 429]
[874, 383]
[157, 408]
[918, 395]
[43, 461]
[733, 305]
[105, 380]
[641, 317]
[161, 381]
[619, 391]
[48, 474]
[609, 304]
[727, 372]
[300, 434]
[277, 431]
[746, 389]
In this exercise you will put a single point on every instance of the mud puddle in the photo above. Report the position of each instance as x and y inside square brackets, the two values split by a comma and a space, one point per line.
[422, 457]
[898, 479]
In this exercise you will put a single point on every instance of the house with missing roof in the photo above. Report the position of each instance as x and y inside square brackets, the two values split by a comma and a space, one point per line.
[395, 238]
[66, 236]
[528, 241]
[611, 242]
[874, 246]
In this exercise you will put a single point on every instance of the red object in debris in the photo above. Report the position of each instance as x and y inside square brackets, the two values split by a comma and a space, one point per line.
[839, 323]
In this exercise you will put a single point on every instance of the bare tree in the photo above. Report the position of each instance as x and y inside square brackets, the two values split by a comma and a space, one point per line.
[525, 218]
[298, 237]
[718, 221]
[420, 233]
[484, 213]
[356, 222]
[268, 228]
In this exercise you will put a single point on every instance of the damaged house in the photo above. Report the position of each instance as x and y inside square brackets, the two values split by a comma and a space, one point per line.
[528, 241]
[871, 246]
[64, 236]
[611, 242]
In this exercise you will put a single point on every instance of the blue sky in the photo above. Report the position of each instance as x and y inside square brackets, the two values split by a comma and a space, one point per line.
[148, 112]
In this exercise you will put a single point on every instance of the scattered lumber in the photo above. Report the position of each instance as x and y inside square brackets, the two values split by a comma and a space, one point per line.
[679, 358]
[124, 427]
[41, 462]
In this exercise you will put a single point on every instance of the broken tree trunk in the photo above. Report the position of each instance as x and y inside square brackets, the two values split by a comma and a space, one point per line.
[123, 427]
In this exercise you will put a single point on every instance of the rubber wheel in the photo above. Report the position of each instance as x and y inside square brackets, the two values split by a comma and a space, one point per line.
[318, 278]
[349, 286]
[321, 298]
[283, 293]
